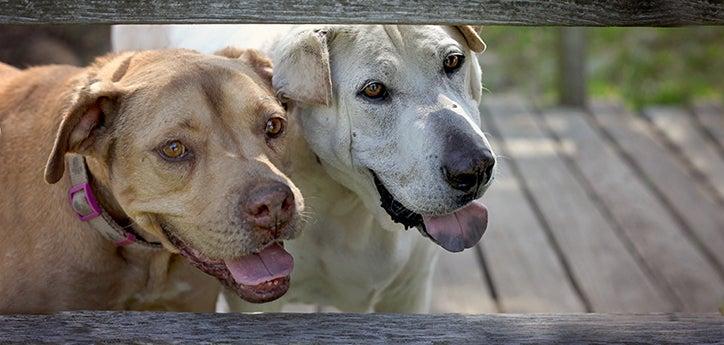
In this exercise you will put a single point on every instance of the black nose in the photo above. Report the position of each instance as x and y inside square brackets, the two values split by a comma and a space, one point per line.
[466, 169]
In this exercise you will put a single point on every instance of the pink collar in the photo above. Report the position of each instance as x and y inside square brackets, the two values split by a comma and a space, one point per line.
[84, 204]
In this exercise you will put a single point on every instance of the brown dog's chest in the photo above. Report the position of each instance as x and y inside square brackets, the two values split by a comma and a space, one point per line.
[160, 281]
[106, 278]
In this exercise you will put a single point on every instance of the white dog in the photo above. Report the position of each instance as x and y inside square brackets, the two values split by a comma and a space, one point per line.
[393, 141]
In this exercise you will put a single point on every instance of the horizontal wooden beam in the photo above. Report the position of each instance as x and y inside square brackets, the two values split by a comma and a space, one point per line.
[174, 328]
[484, 12]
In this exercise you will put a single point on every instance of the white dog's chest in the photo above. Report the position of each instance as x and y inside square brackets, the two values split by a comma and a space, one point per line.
[347, 259]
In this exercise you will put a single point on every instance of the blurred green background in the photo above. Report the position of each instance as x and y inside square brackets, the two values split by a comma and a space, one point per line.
[640, 65]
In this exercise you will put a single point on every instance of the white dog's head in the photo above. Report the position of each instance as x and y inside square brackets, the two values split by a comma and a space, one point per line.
[392, 113]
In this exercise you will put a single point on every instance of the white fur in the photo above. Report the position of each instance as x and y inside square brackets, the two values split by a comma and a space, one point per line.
[351, 255]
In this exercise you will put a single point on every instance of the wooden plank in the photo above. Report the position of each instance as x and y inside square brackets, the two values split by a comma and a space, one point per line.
[521, 12]
[679, 129]
[572, 88]
[188, 328]
[526, 270]
[661, 243]
[668, 176]
[459, 285]
[605, 270]
[711, 118]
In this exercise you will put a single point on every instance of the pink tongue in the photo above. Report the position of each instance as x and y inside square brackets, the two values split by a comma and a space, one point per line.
[273, 262]
[458, 230]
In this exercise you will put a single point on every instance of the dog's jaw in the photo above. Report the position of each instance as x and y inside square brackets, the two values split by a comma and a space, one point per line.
[396, 210]
[454, 232]
[261, 293]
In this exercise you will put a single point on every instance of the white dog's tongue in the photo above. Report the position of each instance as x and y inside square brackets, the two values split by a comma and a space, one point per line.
[458, 230]
[271, 263]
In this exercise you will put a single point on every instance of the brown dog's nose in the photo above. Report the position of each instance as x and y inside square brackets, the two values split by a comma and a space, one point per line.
[269, 206]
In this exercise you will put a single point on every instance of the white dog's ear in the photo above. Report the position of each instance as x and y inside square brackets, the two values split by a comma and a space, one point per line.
[474, 77]
[472, 38]
[301, 67]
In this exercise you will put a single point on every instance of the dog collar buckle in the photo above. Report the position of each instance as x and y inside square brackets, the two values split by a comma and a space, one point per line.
[86, 207]
[83, 202]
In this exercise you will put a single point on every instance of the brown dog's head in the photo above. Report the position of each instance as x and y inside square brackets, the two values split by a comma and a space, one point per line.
[190, 148]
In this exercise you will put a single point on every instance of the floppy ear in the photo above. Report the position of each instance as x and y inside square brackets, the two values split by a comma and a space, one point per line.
[302, 67]
[82, 125]
[472, 38]
[474, 77]
[261, 64]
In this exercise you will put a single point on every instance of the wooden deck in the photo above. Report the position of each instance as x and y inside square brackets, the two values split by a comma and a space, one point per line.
[605, 211]
[599, 211]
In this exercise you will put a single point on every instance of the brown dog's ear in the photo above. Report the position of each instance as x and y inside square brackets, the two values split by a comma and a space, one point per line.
[302, 70]
[472, 38]
[230, 52]
[261, 64]
[83, 120]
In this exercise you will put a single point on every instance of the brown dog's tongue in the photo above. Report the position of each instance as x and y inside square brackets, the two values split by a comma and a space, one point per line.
[458, 230]
[271, 263]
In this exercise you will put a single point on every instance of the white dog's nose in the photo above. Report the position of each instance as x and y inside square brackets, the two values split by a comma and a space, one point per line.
[467, 168]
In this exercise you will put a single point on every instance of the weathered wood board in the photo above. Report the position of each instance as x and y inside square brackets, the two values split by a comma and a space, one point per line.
[188, 328]
[668, 176]
[679, 128]
[526, 12]
[607, 273]
[525, 268]
[660, 242]
[711, 118]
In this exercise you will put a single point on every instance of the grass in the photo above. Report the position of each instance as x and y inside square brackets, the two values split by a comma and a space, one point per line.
[640, 65]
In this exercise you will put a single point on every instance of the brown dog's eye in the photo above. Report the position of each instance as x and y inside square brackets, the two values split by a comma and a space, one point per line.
[453, 62]
[174, 150]
[274, 127]
[374, 90]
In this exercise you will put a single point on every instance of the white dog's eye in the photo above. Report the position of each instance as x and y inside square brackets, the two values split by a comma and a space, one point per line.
[453, 62]
[375, 90]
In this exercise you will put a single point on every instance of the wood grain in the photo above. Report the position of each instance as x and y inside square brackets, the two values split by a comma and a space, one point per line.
[526, 269]
[684, 197]
[188, 328]
[711, 118]
[608, 274]
[660, 242]
[680, 130]
[521, 12]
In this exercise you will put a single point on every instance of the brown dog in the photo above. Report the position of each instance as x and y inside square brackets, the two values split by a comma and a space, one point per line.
[167, 152]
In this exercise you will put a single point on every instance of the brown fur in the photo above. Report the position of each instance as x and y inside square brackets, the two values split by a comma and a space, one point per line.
[261, 64]
[114, 113]
[6, 70]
